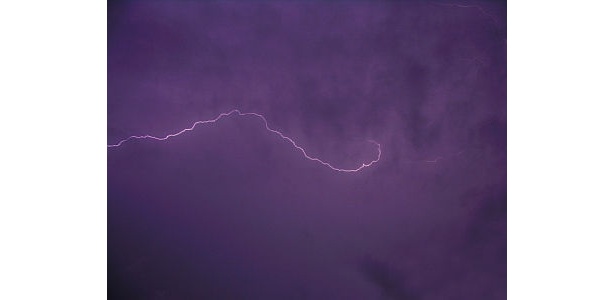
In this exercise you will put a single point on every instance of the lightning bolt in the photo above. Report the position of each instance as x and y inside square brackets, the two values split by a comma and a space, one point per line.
[276, 132]
[434, 160]
[479, 8]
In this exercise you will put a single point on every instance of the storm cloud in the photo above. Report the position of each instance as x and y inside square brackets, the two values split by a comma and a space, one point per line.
[230, 211]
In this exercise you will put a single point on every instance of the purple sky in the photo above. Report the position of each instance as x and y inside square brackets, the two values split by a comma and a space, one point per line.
[230, 211]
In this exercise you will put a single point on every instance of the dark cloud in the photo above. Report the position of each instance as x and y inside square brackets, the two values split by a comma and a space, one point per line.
[231, 211]
[390, 280]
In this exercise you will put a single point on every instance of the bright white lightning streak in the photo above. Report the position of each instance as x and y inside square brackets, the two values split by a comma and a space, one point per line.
[278, 133]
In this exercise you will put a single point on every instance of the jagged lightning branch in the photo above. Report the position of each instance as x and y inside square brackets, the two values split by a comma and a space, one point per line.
[478, 7]
[278, 133]
[434, 160]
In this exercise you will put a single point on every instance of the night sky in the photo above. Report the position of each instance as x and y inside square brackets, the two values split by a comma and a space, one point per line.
[232, 211]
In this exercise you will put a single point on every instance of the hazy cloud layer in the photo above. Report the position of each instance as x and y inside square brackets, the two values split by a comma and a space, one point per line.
[230, 211]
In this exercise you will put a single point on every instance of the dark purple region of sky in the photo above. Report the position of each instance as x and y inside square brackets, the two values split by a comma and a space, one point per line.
[231, 211]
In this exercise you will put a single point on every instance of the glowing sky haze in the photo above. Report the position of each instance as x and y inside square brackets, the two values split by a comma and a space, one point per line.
[306, 150]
